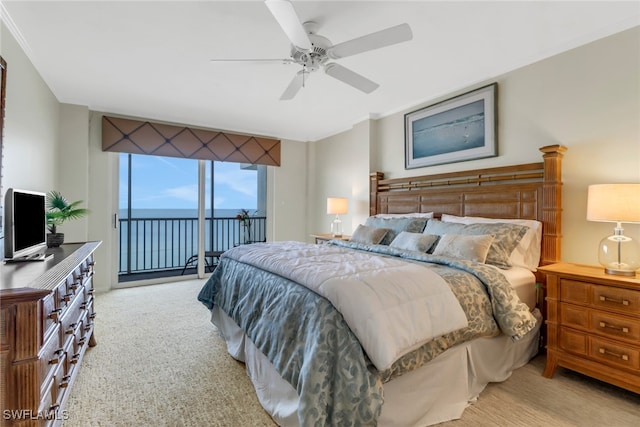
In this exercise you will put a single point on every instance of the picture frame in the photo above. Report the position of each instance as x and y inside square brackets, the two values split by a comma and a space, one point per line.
[459, 129]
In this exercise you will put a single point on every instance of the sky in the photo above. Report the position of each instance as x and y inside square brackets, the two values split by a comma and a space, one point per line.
[171, 183]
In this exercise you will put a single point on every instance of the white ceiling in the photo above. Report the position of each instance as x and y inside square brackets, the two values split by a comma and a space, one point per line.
[151, 59]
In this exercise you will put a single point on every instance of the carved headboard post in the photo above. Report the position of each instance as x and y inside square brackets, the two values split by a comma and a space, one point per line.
[552, 206]
[374, 178]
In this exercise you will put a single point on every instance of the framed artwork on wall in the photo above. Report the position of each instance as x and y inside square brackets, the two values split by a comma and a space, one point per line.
[456, 130]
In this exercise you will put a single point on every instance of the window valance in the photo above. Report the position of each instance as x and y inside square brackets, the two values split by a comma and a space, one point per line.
[140, 137]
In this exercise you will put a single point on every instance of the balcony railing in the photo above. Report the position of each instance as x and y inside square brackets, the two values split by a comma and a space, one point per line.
[150, 245]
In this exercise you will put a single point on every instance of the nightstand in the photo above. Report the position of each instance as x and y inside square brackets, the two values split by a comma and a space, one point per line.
[593, 323]
[324, 238]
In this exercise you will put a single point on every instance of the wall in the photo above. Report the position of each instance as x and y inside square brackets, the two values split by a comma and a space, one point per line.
[31, 124]
[287, 194]
[587, 99]
[341, 170]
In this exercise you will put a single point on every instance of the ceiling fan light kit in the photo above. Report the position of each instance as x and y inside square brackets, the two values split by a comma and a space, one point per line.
[313, 51]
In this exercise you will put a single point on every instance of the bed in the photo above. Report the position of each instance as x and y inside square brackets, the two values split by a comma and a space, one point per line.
[348, 333]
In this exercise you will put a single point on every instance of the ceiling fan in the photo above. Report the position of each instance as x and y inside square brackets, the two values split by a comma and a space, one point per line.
[313, 51]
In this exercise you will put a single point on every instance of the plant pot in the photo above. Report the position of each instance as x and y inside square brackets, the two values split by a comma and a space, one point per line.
[55, 239]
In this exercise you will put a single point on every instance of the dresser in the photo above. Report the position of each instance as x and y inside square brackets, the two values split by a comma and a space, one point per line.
[46, 325]
[593, 323]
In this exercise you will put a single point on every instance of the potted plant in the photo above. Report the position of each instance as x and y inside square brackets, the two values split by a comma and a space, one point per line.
[59, 210]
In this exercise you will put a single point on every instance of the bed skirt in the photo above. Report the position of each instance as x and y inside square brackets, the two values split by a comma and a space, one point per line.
[438, 391]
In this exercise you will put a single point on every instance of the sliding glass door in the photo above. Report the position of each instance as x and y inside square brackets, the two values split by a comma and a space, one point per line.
[158, 224]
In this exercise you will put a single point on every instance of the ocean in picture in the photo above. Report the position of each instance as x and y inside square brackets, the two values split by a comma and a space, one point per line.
[454, 130]
[160, 239]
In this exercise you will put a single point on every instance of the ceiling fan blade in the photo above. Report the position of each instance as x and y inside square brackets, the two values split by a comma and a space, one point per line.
[393, 35]
[278, 60]
[296, 84]
[286, 16]
[351, 78]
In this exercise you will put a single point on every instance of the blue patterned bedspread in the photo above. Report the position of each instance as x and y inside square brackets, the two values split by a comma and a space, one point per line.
[310, 345]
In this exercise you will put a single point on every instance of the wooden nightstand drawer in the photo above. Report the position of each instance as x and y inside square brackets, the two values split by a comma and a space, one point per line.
[573, 341]
[574, 316]
[574, 291]
[617, 327]
[621, 300]
[612, 352]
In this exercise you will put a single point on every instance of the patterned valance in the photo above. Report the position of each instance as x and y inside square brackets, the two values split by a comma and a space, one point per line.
[138, 137]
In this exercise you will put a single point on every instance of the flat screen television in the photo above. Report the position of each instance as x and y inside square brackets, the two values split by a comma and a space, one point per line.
[25, 225]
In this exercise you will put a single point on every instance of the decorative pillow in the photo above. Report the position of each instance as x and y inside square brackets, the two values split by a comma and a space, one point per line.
[368, 235]
[407, 215]
[413, 241]
[396, 225]
[506, 237]
[460, 246]
[527, 253]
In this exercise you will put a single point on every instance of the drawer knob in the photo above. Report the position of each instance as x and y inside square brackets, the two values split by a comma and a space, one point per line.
[614, 300]
[58, 353]
[55, 314]
[71, 328]
[92, 315]
[622, 329]
[75, 358]
[74, 286]
[611, 353]
[65, 381]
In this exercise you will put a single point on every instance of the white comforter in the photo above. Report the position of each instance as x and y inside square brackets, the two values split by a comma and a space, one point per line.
[392, 306]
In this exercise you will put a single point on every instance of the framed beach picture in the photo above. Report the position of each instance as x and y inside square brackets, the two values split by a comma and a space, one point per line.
[456, 130]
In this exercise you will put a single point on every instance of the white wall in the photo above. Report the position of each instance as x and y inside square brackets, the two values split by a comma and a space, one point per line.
[341, 170]
[31, 124]
[287, 193]
[587, 99]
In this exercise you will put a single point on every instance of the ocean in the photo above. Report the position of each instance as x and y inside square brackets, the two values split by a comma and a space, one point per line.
[163, 239]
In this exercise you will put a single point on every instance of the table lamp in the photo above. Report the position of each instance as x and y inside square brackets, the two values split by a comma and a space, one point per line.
[618, 203]
[336, 206]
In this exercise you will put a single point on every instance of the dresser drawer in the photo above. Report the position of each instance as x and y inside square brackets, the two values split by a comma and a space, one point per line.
[69, 321]
[51, 355]
[574, 316]
[50, 314]
[50, 393]
[615, 327]
[616, 353]
[574, 291]
[616, 299]
[573, 341]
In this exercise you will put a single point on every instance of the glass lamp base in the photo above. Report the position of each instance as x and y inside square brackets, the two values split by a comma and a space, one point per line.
[336, 227]
[619, 255]
[618, 272]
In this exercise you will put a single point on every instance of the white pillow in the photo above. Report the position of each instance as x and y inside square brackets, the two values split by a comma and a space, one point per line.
[407, 215]
[527, 253]
[464, 246]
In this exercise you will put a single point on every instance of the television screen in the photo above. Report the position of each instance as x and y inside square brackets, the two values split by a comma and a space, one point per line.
[28, 221]
[25, 223]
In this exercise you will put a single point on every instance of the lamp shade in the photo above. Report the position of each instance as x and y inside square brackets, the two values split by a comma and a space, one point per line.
[336, 205]
[614, 203]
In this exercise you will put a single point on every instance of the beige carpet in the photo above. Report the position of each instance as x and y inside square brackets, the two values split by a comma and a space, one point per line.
[160, 362]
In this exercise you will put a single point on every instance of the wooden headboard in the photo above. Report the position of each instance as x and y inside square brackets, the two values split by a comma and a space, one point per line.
[527, 191]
